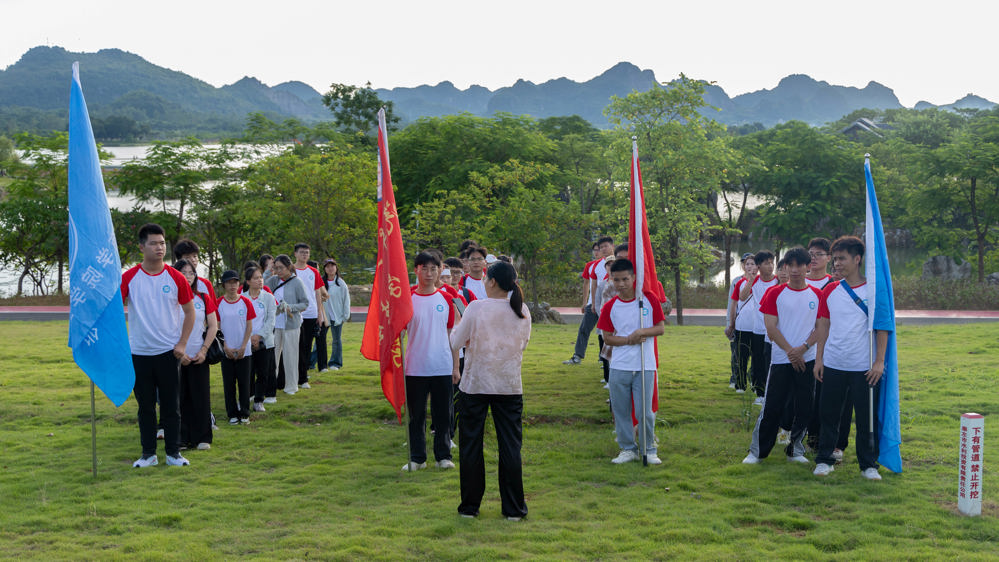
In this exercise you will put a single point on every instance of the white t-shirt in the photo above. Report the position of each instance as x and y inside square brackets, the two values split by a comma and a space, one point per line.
[203, 305]
[848, 346]
[819, 283]
[155, 316]
[796, 310]
[313, 281]
[620, 317]
[476, 286]
[206, 288]
[746, 310]
[759, 289]
[428, 350]
[280, 317]
[233, 317]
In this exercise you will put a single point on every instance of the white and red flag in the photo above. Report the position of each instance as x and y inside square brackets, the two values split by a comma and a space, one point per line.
[391, 305]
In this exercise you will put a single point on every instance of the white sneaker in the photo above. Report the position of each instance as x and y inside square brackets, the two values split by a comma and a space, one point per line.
[731, 385]
[334, 368]
[838, 455]
[445, 464]
[871, 474]
[783, 437]
[453, 444]
[574, 360]
[759, 401]
[270, 400]
[290, 393]
[305, 385]
[740, 391]
[798, 458]
[177, 461]
[822, 469]
[511, 518]
[244, 421]
[625, 456]
[146, 461]
[259, 407]
[204, 446]
[324, 369]
[412, 466]
[606, 386]
[653, 459]
[160, 434]
[233, 421]
[751, 459]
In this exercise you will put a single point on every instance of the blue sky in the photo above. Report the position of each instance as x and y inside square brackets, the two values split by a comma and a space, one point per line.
[934, 51]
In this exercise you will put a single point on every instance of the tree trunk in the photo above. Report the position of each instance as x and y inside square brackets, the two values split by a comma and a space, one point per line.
[678, 305]
[728, 258]
[60, 266]
[20, 281]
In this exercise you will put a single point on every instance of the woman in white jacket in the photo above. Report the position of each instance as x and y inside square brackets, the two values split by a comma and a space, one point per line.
[337, 308]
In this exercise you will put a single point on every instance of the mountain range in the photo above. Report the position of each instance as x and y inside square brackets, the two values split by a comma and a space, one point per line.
[117, 83]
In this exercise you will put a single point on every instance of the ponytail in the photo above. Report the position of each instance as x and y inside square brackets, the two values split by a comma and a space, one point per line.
[505, 276]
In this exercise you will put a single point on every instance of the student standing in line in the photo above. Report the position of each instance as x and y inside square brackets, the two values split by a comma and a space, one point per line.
[494, 332]
[160, 320]
[741, 316]
[430, 365]
[195, 383]
[621, 322]
[292, 298]
[188, 250]
[790, 311]
[474, 281]
[313, 317]
[760, 350]
[601, 249]
[337, 311]
[843, 360]
[235, 320]
[263, 377]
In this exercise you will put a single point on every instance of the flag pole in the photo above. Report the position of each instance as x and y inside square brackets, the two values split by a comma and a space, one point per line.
[645, 398]
[93, 429]
[405, 403]
[640, 288]
[872, 349]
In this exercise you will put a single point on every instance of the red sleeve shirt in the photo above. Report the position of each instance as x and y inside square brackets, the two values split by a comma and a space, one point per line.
[155, 313]
[233, 317]
[796, 310]
[621, 318]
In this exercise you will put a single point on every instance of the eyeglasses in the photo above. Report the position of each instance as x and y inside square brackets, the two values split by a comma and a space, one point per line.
[817, 254]
[476, 259]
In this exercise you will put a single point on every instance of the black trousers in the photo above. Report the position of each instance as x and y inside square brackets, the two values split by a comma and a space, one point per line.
[507, 413]
[236, 377]
[195, 404]
[605, 363]
[839, 389]
[305, 340]
[815, 424]
[439, 390]
[742, 350]
[158, 375]
[783, 380]
[263, 379]
[761, 363]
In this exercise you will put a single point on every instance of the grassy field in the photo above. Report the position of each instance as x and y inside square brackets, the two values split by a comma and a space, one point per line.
[317, 476]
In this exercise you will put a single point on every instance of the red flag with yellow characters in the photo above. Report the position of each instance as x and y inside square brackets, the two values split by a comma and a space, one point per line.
[391, 305]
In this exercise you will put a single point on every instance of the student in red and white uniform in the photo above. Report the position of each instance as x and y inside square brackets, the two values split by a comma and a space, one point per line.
[760, 350]
[236, 313]
[474, 281]
[430, 365]
[741, 316]
[592, 272]
[160, 320]
[789, 312]
[312, 317]
[843, 360]
[455, 265]
[818, 252]
[189, 250]
[195, 384]
[621, 321]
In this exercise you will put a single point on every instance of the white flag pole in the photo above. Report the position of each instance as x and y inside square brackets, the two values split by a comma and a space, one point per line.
[640, 283]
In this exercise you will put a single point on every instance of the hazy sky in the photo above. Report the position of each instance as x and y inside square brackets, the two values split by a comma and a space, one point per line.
[934, 51]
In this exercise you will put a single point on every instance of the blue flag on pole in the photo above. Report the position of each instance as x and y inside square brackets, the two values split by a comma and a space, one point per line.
[97, 331]
[881, 303]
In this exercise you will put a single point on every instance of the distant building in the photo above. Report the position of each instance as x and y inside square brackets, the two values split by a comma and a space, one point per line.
[864, 125]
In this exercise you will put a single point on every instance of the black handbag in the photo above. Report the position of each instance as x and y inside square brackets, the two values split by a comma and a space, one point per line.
[216, 349]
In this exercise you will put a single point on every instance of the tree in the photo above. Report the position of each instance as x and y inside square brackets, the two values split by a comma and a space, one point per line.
[729, 202]
[679, 151]
[355, 109]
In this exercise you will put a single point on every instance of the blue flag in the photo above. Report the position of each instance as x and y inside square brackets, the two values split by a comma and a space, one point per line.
[97, 331]
[881, 303]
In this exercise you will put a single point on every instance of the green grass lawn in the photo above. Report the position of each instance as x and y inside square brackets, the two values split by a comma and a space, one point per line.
[317, 476]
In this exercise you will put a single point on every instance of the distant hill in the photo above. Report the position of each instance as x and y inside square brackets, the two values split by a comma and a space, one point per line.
[34, 94]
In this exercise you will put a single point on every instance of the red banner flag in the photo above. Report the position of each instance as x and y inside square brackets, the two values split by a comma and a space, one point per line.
[641, 256]
[391, 305]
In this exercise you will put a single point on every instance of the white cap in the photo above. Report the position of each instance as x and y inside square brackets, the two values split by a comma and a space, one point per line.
[491, 259]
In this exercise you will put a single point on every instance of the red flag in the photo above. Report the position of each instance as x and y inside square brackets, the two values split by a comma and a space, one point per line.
[641, 256]
[391, 305]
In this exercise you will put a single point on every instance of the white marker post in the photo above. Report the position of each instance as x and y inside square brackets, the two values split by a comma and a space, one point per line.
[969, 487]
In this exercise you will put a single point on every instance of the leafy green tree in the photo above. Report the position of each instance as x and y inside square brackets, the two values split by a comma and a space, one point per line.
[355, 109]
[679, 150]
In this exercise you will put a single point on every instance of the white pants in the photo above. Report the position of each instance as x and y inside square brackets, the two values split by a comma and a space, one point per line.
[286, 349]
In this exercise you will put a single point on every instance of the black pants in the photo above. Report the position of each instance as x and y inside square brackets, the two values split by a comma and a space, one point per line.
[589, 320]
[236, 377]
[195, 404]
[783, 380]
[507, 413]
[815, 424]
[308, 335]
[840, 388]
[439, 390]
[742, 350]
[263, 379]
[158, 374]
[761, 363]
[605, 363]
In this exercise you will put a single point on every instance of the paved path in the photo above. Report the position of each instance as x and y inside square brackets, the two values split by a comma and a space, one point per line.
[691, 316]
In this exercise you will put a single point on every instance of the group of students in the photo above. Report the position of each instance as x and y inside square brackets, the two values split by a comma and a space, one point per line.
[800, 342]
[269, 318]
[626, 331]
